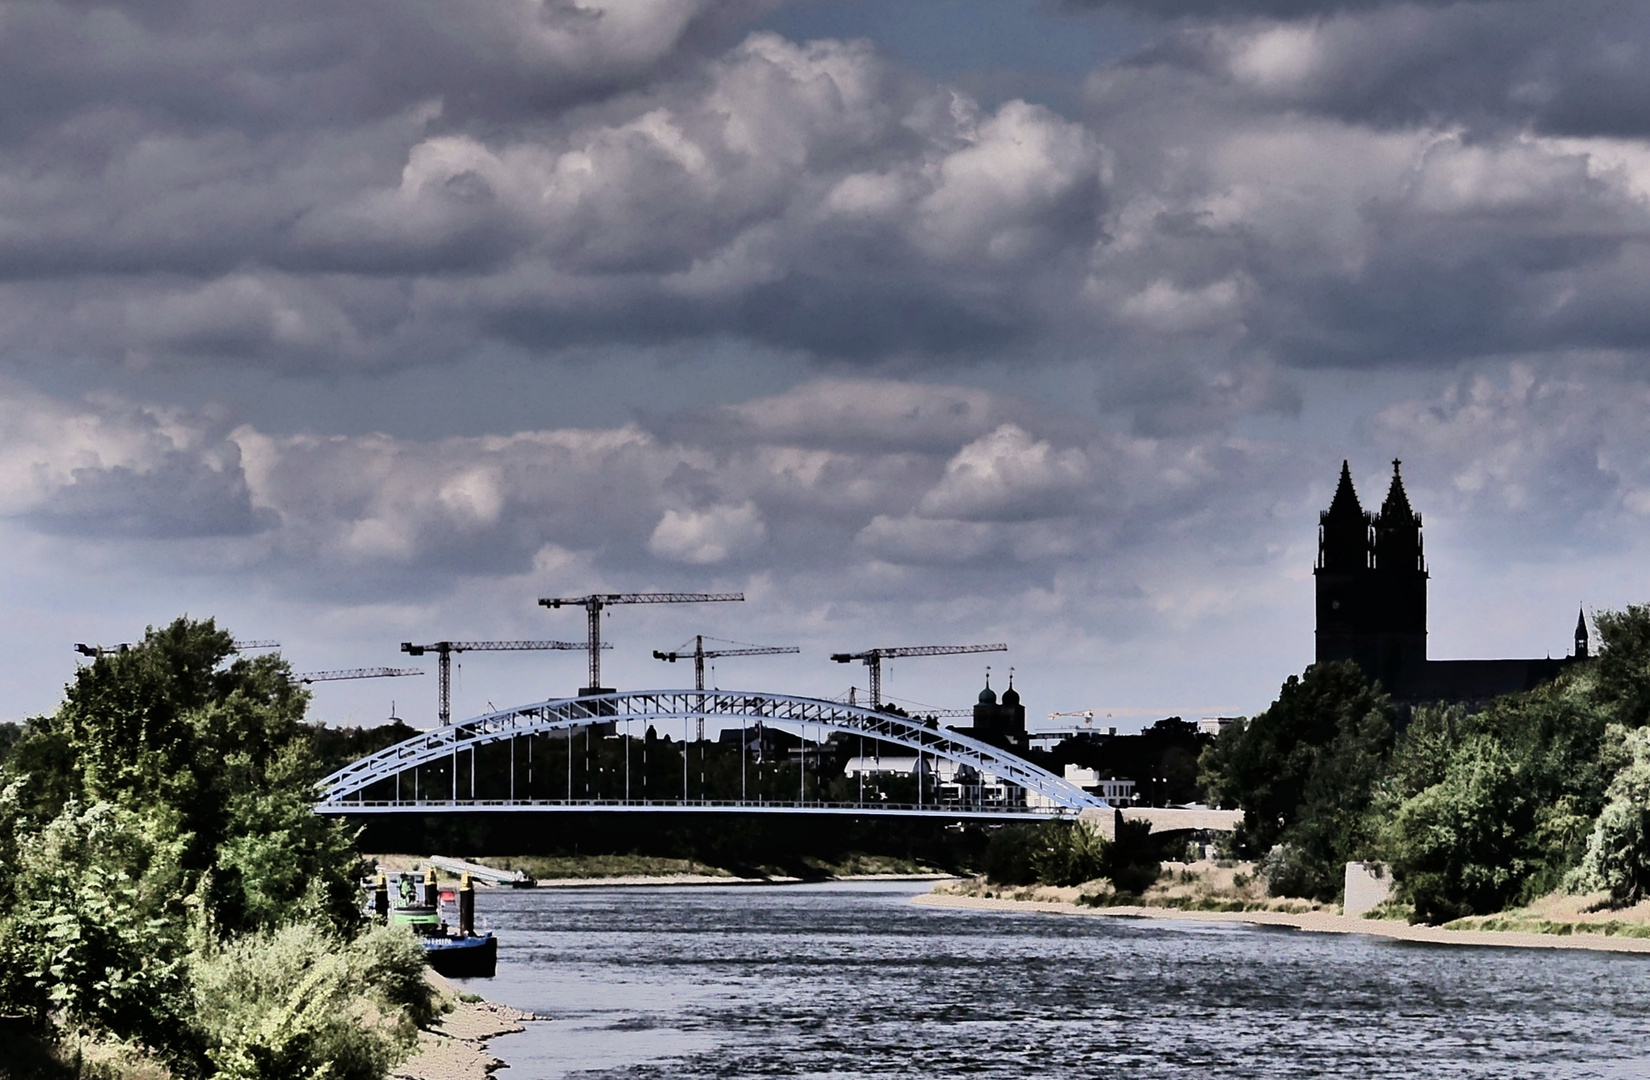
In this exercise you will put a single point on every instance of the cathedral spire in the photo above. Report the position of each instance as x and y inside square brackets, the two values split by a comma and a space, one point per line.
[1582, 644]
[1396, 507]
[1343, 530]
[1398, 531]
[1345, 503]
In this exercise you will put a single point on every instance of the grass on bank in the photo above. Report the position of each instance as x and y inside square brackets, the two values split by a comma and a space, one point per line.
[1197, 886]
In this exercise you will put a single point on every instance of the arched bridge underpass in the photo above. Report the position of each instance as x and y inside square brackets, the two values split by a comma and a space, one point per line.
[646, 752]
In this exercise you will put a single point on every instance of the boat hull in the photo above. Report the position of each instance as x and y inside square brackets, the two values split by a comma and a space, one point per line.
[463, 957]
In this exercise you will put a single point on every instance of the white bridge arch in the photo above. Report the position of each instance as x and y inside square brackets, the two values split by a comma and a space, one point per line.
[1031, 791]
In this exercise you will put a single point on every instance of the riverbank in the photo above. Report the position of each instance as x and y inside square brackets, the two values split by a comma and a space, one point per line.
[455, 1046]
[608, 871]
[1527, 929]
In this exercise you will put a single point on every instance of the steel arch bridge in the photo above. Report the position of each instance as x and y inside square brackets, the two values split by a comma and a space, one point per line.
[988, 783]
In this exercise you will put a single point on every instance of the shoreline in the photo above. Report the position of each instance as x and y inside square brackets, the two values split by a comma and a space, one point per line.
[1310, 922]
[665, 880]
[454, 1047]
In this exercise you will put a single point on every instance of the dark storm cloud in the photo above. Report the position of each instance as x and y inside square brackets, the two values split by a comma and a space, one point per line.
[178, 497]
[310, 188]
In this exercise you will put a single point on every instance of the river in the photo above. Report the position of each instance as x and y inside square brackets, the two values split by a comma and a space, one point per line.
[852, 980]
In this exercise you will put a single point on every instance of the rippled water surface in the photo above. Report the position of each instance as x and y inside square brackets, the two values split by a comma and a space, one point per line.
[852, 980]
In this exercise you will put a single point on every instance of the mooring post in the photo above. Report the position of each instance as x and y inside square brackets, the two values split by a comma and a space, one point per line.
[381, 898]
[430, 895]
[467, 906]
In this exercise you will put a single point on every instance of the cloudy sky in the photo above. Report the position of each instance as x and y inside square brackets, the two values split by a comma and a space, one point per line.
[934, 322]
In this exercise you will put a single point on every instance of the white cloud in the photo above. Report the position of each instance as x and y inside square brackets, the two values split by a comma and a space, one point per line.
[704, 537]
[1007, 475]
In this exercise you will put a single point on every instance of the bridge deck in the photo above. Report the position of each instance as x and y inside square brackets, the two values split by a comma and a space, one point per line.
[465, 806]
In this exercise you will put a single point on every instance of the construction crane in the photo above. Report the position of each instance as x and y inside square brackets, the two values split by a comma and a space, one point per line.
[594, 603]
[355, 673]
[444, 662]
[95, 651]
[874, 657]
[98, 650]
[700, 654]
[1086, 714]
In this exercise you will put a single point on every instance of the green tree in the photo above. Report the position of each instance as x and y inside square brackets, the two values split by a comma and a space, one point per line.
[1617, 859]
[1462, 846]
[184, 722]
[1621, 673]
[165, 805]
[1305, 773]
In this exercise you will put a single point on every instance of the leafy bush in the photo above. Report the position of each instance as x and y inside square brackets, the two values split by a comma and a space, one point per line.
[299, 1003]
[95, 931]
[1067, 853]
[1063, 853]
[1287, 871]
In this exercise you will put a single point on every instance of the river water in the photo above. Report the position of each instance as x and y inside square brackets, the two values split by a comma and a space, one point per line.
[852, 980]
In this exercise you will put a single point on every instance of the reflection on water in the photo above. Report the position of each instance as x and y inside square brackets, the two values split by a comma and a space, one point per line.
[851, 980]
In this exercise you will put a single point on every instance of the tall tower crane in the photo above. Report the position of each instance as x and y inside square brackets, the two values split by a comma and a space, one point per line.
[594, 603]
[700, 654]
[874, 657]
[444, 662]
[355, 673]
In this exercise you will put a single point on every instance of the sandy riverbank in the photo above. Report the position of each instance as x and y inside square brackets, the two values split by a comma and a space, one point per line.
[455, 1048]
[717, 879]
[1320, 922]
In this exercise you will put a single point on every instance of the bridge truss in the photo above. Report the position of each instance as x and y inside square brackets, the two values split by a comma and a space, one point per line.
[423, 774]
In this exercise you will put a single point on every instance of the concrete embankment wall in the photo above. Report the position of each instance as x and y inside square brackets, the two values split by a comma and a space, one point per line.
[1162, 819]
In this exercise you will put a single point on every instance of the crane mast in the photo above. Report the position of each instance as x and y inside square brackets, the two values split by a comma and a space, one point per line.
[873, 659]
[595, 602]
[444, 663]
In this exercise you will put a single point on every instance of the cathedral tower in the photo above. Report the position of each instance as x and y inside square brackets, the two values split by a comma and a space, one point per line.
[1372, 585]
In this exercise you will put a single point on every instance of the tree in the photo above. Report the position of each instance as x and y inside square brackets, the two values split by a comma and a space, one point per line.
[168, 799]
[1305, 772]
[1618, 848]
[182, 721]
[1621, 673]
[1461, 846]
